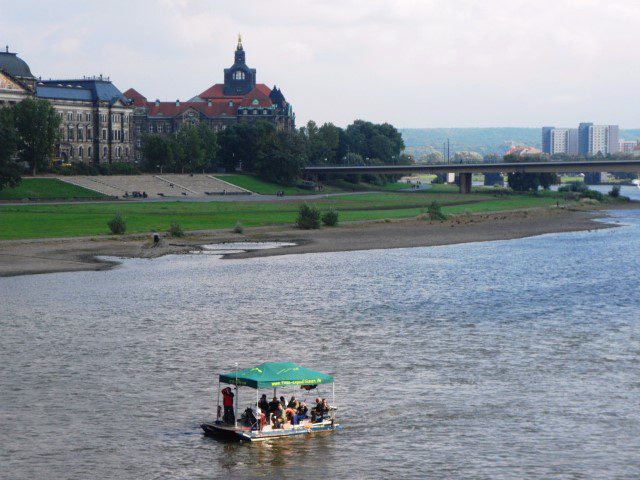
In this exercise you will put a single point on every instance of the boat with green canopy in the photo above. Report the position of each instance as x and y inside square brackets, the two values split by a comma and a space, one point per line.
[262, 420]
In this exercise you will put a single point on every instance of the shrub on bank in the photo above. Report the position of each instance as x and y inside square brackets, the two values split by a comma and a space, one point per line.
[592, 194]
[308, 217]
[117, 224]
[238, 228]
[175, 230]
[330, 218]
[435, 212]
[615, 191]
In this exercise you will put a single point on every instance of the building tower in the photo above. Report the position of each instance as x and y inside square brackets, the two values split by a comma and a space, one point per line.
[239, 79]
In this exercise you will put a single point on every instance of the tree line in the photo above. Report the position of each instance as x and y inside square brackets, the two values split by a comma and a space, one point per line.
[28, 133]
[275, 155]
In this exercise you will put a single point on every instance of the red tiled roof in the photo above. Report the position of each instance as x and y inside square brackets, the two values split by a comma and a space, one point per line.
[139, 100]
[170, 109]
[217, 91]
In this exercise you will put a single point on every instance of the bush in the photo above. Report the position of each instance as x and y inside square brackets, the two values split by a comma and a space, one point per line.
[435, 212]
[574, 187]
[330, 218]
[615, 192]
[117, 225]
[238, 228]
[175, 230]
[308, 217]
[593, 194]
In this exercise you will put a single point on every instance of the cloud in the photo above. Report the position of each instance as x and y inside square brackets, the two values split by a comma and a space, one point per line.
[410, 62]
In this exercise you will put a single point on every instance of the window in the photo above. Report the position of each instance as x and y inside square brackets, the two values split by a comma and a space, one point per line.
[238, 75]
[80, 152]
[231, 104]
[150, 128]
[70, 135]
[62, 134]
[70, 152]
[118, 150]
[105, 151]
[80, 132]
[69, 116]
[138, 129]
[104, 134]
[89, 152]
[244, 112]
[138, 143]
[255, 111]
[126, 152]
[264, 112]
[255, 102]
[159, 128]
[89, 133]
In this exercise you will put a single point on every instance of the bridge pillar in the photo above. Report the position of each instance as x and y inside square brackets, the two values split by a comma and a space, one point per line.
[464, 181]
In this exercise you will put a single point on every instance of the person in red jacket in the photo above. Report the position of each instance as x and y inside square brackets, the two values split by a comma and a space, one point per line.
[227, 401]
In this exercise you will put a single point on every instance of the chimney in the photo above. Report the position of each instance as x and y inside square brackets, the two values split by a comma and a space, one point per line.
[178, 102]
[7, 48]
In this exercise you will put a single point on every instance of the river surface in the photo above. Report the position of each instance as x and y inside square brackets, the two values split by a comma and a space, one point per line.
[497, 360]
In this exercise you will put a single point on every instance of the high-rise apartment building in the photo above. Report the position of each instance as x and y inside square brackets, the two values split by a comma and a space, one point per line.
[588, 140]
[560, 141]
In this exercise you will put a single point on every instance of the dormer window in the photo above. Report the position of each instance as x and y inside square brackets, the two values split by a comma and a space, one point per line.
[238, 75]
[255, 102]
[231, 104]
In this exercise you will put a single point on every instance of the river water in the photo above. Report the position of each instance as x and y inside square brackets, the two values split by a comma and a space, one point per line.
[508, 359]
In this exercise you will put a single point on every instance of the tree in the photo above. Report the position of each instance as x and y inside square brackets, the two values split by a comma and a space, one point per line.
[210, 146]
[157, 152]
[190, 154]
[243, 143]
[523, 182]
[283, 158]
[9, 170]
[37, 125]
[382, 141]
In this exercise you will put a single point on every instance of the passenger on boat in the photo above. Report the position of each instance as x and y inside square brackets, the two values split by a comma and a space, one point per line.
[283, 402]
[291, 414]
[227, 401]
[279, 417]
[273, 408]
[301, 413]
[320, 410]
[293, 403]
[263, 403]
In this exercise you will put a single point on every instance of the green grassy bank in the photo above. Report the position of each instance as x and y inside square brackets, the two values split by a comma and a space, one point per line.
[47, 188]
[68, 220]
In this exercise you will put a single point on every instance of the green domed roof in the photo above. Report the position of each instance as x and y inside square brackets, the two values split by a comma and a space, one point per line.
[13, 65]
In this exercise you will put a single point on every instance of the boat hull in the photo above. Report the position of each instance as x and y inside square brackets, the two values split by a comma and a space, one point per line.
[230, 432]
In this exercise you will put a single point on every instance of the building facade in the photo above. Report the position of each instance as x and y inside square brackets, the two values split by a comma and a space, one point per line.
[96, 119]
[628, 146]
[16, 80]
[239, 99]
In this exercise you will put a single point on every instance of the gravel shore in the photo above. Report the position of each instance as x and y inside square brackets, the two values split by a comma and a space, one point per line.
[24, 257]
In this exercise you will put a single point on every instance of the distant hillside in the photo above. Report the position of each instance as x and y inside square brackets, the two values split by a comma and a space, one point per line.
[481, 140]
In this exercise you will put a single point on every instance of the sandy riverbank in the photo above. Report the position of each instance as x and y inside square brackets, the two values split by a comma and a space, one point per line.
[23, 257]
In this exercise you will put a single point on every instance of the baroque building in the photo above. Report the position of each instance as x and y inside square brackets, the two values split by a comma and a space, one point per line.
[96, 119]
[238, 99]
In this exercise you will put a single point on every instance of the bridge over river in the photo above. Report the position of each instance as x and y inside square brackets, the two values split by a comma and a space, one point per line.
[466, 170]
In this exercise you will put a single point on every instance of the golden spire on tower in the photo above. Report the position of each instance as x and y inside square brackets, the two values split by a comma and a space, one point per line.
[239, 42]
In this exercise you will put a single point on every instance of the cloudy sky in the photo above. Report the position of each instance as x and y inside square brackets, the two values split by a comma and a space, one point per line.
[414, 63]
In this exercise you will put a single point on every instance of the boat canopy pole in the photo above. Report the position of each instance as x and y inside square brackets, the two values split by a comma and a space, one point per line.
[218, 409]
[236, 412]
[333, 393]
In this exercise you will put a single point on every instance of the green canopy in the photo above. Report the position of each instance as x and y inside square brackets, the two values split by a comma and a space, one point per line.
[275, 374]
